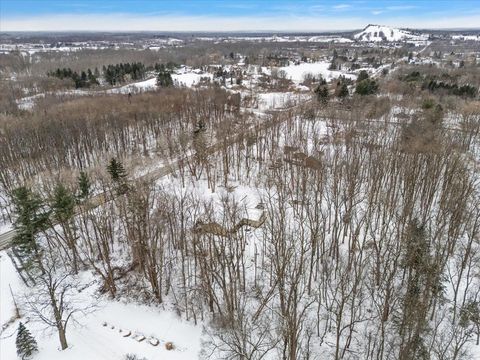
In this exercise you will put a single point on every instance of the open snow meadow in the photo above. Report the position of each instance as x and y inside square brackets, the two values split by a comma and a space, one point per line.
[195, 185]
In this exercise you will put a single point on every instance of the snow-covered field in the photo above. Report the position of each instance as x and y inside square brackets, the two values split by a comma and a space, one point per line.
[297, 73]
[188, 77]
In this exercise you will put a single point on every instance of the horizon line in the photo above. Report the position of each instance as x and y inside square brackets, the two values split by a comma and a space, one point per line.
[345, 30]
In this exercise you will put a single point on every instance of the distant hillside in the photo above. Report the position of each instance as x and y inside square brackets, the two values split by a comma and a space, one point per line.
[377, 33]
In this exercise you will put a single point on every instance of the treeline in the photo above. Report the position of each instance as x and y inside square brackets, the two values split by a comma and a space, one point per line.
[433, 85]
[451, 89]
[117, 74]
[169, 66]
[82, 80]
[112, 74]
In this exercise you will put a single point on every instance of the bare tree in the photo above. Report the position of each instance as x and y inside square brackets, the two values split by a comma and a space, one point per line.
[56, 298]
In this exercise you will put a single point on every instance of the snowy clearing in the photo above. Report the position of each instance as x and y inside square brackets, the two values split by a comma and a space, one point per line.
[297, 73]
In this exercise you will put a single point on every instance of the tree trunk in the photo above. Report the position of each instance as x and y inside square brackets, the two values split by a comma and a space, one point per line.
[62, 336]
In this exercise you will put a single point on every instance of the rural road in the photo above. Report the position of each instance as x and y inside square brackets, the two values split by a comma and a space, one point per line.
[6, 239]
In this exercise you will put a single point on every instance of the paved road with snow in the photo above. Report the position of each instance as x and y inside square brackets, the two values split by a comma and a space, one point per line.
[6, 239]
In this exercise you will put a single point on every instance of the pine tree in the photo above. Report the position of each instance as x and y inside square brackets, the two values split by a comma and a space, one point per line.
[26, 344]
[30, 219]
[83, 78]
[92, 80]
[62, 204]
[366, 87]
[342, 90]
[116, 170]
[322, 94]
[362, 75]
[118, 175]
[84, 185]
[333, 63]
[164, 79]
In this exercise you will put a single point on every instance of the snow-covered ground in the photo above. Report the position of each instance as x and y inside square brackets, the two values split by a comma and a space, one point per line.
[95, 341]
[141, 86]
[279, 100]
[297, 73]
[189, 77]
[284, 38]
[34, 48]
[466, 37]
[89, 339]
[4, 227]
[377, 33]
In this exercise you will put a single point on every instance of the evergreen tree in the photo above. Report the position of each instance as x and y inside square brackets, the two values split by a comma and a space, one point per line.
[164, 79]
[26, 344]
[116, 170]
[159, 67]
[62, 204]
[83, 76]
[92, 79]
[342, 90]
[30, 218]
[366, 87]
[118, 175]
[362, 75]
[322, 94]
[333, 65]
[84, 185]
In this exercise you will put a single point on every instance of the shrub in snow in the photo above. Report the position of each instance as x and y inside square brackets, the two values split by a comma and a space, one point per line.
[26, 344]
